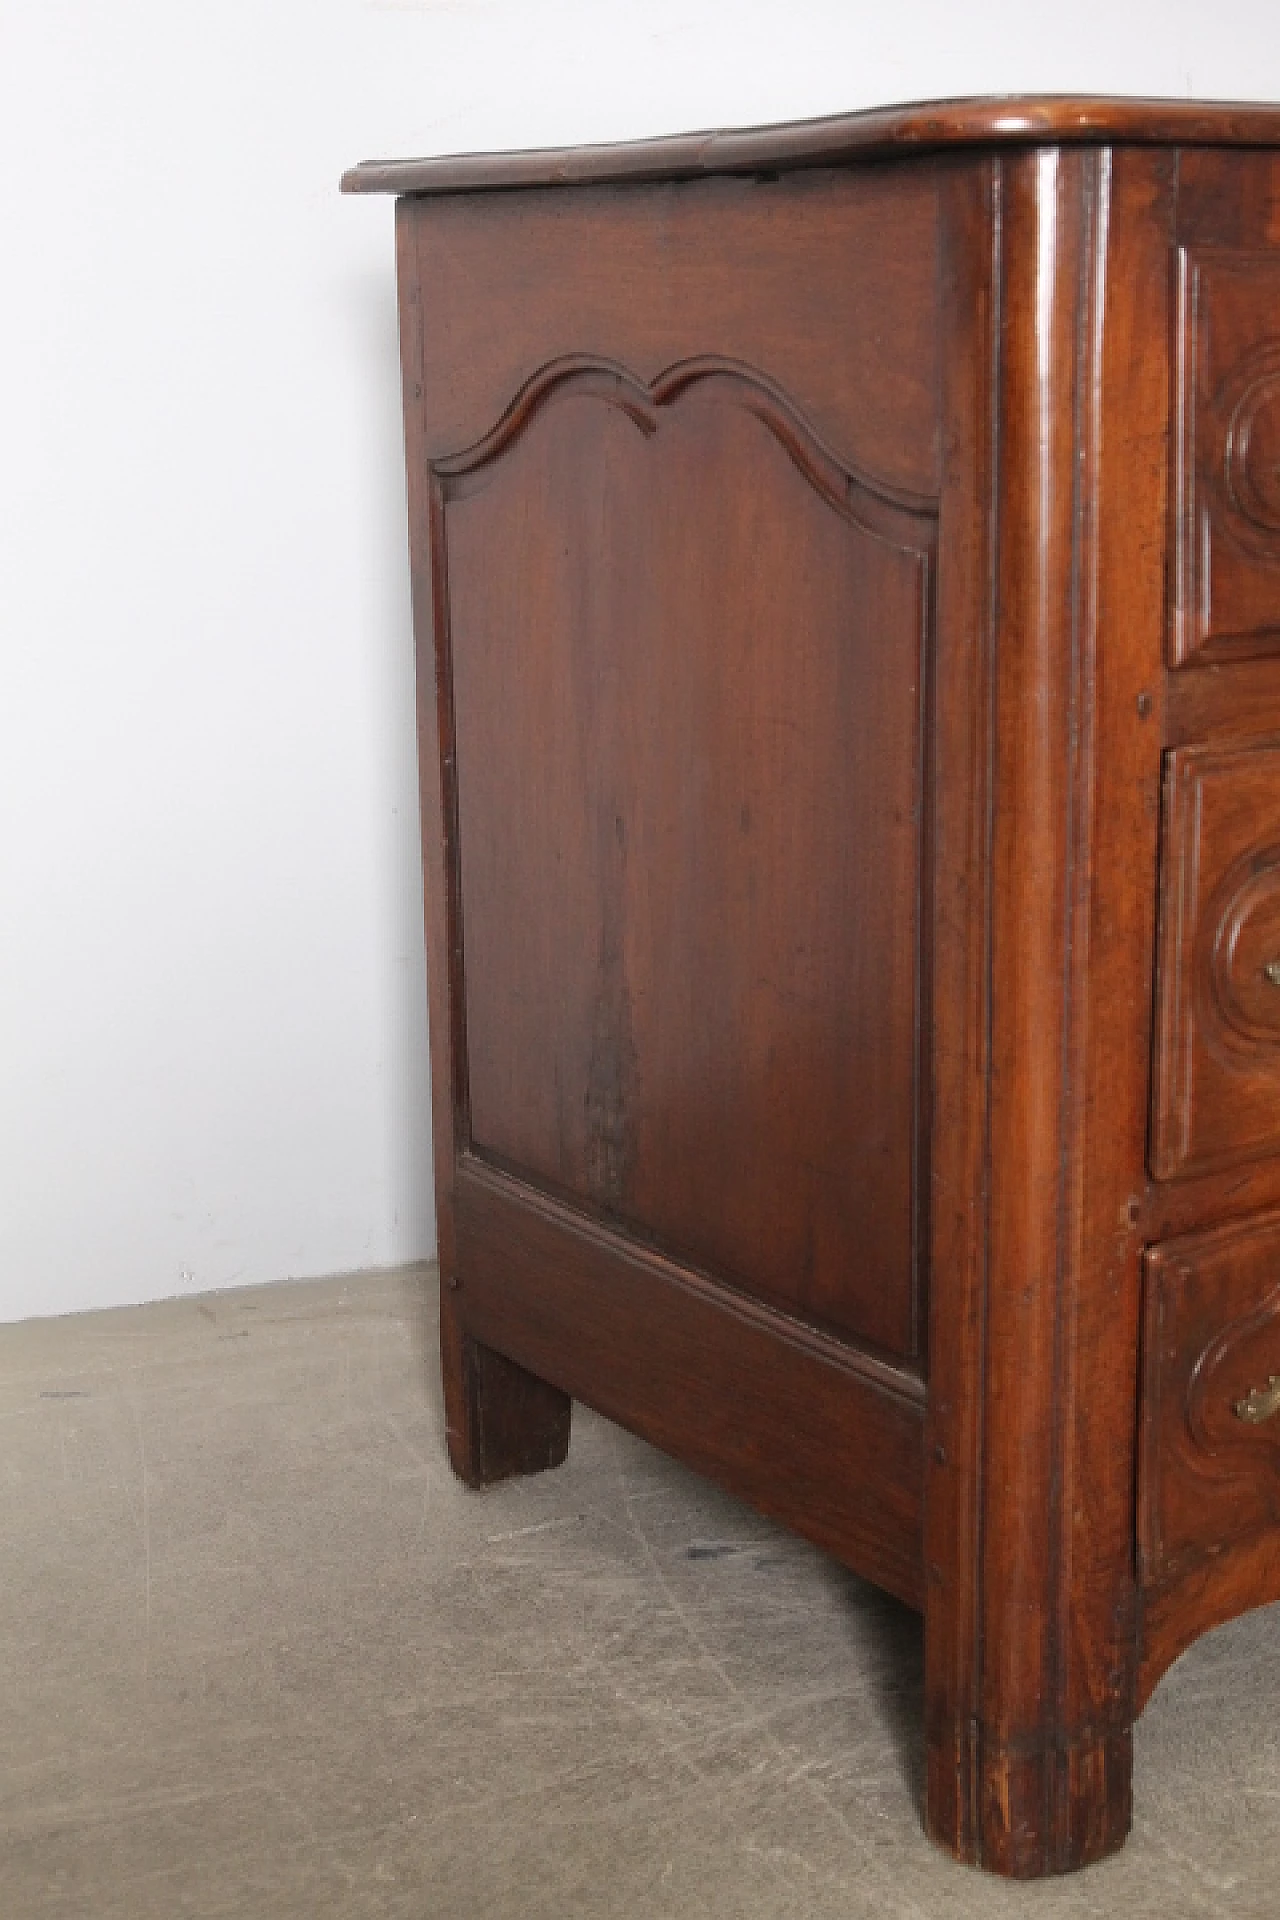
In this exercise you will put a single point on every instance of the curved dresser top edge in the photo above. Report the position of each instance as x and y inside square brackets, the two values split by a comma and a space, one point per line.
[996, 120]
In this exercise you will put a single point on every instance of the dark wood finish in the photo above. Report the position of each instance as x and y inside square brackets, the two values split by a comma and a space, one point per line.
[1031, 1617]
[1180, 1205]
[1209, 1512]
[826, 552]
[500, 1419]
[1228, 209]
[743, 1393]
[963, 825]
[1210, 1478]
[1226, 203]
[1212, 1592]
[733, 630]
[1220, 705]
[1001, 120]
[1228, 455]
[675, 1043]
[1217, 1081]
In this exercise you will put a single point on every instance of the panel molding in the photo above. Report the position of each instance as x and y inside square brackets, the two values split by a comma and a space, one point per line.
[1209, 1479]
[755, 1400]
[1227, 409]
[1227, 1449]
[901, 520]
[1249, 888]
[891, 513]
[1217, 1058]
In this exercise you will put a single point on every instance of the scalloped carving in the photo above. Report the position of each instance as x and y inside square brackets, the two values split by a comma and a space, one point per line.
[891, 513]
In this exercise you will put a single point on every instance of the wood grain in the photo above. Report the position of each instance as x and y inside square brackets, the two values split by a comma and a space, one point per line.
[710, 825]
[1209, 1478]
[1216, 1095]
[1228, 529]
[755, 1401]
[828, 544]
[823, 282]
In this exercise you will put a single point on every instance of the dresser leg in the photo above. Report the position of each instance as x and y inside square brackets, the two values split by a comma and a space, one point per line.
[499, 1419]
[1024, 1809]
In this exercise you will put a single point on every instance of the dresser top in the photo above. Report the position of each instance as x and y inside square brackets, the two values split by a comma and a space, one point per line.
[997, 120]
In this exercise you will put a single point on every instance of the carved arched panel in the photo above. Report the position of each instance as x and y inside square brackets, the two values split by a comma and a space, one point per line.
[690, 899]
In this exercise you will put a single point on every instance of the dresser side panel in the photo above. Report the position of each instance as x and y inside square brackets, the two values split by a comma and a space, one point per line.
[684, 608]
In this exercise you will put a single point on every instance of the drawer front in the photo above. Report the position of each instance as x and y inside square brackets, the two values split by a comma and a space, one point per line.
[1228, 602]
[1216, 1091]
[1210, 1472]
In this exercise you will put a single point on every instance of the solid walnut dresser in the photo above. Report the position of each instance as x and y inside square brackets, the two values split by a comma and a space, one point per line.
[846, 566]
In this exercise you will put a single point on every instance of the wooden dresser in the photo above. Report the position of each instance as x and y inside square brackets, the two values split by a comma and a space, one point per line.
[846, 566]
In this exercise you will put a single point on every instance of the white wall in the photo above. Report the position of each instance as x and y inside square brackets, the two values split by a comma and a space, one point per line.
[212, 1018]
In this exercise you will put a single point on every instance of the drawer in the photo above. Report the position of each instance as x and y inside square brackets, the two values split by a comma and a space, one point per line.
[1210, 1447]
[1216, 1082]
[1228, 490]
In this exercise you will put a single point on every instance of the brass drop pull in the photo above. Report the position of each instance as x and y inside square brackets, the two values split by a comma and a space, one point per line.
[1271, 972]
[1262, 1404]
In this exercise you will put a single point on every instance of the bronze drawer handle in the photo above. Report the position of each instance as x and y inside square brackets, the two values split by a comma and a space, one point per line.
[1262, 1404]
[1271, 971]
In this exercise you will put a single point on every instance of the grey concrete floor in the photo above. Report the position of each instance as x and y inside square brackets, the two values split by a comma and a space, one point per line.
[262, 1656]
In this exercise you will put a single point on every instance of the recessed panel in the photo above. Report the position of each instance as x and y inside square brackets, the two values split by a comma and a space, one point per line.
[687, 663]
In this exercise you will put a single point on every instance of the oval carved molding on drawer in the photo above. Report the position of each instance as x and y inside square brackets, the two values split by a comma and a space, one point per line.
[1232, 1374]
[1216, 1071]
[1227, 596]
[1210, 1452]
[1243, 961]
[1252, 451]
